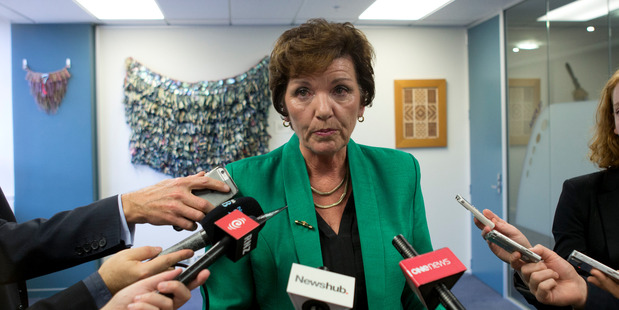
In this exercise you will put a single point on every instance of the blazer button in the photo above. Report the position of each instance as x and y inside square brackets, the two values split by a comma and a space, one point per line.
[94, 245]
[102, 242]
[79, 251]
[86, 247]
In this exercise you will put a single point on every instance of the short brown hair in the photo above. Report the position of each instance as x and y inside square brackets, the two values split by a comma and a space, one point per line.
[604, 145]
[311, 48]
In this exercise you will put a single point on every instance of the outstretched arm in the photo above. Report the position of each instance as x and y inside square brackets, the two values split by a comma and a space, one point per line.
[170, 202]
[149, 293]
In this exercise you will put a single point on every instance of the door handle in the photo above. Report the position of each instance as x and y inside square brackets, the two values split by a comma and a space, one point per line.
[499, 184]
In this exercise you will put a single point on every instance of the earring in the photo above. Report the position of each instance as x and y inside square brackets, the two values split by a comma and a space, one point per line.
[361, 119]
[286, 123]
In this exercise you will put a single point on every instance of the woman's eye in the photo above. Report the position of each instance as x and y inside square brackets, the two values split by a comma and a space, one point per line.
[341, 90]
[302, 92]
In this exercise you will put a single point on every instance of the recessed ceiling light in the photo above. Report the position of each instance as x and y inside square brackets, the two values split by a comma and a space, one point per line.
[122, 9]
[527, 45]
[581, 11]
[402, 9]
[590, 29]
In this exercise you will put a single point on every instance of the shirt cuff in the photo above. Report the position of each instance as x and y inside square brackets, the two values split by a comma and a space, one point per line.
[127, 231]
[98, 290]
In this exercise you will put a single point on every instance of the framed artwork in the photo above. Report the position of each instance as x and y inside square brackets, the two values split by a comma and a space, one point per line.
[524, 105]
[420, 113]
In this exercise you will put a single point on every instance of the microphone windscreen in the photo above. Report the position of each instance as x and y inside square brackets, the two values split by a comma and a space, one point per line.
[248, 205]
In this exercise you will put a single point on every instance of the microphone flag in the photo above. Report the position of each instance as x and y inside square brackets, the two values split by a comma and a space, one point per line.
[308, 285]
[425, 271]
[238, 225]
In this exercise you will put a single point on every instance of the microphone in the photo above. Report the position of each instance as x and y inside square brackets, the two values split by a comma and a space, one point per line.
[318, 289]
[430, 275]
[203, 238]
[236, 234]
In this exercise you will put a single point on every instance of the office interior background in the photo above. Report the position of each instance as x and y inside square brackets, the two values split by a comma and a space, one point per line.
[516, 126]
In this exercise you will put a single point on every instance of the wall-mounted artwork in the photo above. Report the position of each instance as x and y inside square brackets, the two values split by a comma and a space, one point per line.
[524, 106]
[420, 113]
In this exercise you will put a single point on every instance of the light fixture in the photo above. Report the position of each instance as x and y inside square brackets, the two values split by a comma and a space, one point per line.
[516, 50]
[527, 45]
[581, 11]
[402, 9]
[590, 29]
[122, 9]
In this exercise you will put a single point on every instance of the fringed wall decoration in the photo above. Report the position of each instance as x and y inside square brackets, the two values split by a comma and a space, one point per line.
[48, 89]
[181, 128]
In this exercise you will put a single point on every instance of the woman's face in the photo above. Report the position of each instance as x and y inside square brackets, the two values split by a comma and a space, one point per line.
[323, 108]
[616, 108]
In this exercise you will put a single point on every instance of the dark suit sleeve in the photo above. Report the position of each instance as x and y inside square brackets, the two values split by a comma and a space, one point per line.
[67, 239]
[600, 299]
[75, 297]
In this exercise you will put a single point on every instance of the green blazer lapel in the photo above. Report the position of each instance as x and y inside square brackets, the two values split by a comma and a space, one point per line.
[368, 220]
[300, 207]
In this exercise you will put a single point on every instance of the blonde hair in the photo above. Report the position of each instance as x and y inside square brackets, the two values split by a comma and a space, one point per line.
[604, 146]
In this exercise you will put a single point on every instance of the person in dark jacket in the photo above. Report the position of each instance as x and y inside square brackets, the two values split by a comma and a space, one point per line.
[42, 246]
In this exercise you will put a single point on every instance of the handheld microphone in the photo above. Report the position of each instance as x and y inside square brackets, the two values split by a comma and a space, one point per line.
[204, 237]
[236, 234]
[430, 275]
[318, 289]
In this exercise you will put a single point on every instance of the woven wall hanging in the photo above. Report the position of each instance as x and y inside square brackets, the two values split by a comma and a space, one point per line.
[48, 89]
[181, 128]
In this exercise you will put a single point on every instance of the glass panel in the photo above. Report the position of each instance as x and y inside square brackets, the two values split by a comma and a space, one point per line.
[613, 51]
[552, 93]
[527, 97]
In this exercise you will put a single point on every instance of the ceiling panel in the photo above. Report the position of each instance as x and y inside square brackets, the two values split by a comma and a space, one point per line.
[195, 9]
[338, 10]
[52, 11]
[460, 13]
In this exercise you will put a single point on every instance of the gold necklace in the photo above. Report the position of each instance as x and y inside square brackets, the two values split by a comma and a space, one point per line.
[338, 201]
[331, 191]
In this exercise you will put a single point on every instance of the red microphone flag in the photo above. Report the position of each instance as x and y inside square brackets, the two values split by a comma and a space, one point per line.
[425, 271]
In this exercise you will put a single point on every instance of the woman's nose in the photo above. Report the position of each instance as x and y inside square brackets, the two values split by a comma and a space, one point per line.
[324, 106]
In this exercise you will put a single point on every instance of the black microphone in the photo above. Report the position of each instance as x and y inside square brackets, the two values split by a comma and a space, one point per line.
[204, 237]
[429, 274]
[236, 234]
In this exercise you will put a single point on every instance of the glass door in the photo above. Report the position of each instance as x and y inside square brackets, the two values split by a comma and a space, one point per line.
[555, 71]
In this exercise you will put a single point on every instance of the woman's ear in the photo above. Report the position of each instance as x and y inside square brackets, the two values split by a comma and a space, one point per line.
[362, 110]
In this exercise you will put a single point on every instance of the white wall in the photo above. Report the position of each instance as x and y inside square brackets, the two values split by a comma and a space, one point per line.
[212, 53]
[7, 180]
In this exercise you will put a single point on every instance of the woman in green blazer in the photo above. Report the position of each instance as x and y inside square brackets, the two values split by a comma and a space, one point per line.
[345, 201]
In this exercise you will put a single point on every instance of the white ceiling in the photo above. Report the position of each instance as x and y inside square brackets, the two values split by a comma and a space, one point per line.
[459, 13]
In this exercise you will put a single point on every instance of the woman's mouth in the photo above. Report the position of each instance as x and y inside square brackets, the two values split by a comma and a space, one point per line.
[325, 132]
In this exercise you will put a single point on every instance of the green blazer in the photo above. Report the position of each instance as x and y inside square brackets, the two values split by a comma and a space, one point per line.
[388, 202]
